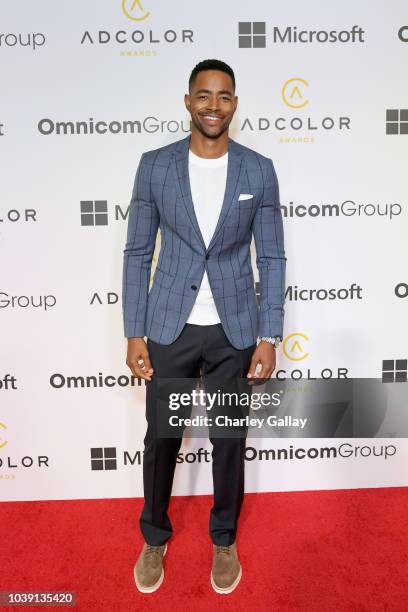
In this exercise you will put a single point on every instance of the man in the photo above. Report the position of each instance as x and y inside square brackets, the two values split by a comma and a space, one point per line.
[208, 194]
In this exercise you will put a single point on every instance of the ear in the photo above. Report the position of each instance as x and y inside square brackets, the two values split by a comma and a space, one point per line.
[187, 101]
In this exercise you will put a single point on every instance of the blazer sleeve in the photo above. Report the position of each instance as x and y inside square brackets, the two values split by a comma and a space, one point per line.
[267, 229]
[143, 223]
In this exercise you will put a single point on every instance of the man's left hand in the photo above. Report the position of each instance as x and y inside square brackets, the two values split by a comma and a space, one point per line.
[265, 355]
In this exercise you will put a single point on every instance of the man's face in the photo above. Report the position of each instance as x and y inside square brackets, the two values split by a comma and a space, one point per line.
[211, 102]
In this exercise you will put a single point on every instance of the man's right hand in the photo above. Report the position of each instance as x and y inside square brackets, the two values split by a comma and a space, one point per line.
[138, 358]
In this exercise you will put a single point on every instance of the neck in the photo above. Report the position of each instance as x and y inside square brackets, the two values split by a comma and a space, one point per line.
[208, 147]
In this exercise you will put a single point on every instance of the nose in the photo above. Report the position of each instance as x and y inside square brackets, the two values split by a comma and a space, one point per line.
[212, 104]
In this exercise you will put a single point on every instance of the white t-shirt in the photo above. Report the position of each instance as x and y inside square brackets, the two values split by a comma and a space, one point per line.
[208, 179]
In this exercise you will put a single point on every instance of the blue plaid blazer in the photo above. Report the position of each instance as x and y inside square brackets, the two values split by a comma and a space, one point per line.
[162, 199]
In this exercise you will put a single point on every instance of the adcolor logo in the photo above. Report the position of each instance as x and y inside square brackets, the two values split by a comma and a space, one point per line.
[134, 10]
[2, 441]
[142, 42]
[298, 127]
[294, 346]
[292, 92]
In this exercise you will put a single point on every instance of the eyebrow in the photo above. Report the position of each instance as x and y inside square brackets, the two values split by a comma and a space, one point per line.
[221, 91]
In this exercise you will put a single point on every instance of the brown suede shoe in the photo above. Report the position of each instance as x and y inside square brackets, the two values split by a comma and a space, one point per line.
[226, 570]
[148, 571]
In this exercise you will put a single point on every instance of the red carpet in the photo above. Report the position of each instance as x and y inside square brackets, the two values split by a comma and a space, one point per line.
[322, 551]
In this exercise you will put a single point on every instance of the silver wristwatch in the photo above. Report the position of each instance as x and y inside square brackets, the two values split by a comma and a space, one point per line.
[275, 340]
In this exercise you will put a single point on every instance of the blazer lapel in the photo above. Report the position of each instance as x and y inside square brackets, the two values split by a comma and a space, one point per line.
[183, 183]
[234, 171]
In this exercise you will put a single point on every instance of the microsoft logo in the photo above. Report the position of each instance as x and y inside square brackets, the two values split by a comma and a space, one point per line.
[103, 458]
[394, 370]
[251, 34]
[94, 212]
[396, 121]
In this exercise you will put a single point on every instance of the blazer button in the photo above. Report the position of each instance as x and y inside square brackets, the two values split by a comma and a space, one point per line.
[207, 256]
[194, 287]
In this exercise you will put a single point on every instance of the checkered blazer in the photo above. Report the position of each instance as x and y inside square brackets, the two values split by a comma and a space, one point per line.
[162, 199]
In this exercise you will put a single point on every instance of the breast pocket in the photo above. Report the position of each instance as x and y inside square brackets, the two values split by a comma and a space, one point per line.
[240, 214]
[244, 204]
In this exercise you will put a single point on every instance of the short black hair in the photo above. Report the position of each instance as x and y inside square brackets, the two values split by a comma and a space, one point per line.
[211, 64]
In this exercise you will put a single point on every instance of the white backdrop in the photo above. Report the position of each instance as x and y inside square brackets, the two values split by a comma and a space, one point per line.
[317, 108]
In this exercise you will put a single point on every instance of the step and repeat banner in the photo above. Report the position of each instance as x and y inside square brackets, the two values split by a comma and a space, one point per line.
[87, 87]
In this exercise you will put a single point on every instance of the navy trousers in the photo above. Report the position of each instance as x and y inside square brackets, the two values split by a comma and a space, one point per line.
[200, 350]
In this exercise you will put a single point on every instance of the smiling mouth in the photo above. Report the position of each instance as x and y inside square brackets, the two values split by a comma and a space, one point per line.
[211, 119]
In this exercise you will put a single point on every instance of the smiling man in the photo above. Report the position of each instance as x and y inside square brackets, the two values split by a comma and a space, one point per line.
[208, 195]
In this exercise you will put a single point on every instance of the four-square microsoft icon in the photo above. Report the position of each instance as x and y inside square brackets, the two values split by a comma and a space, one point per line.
[394, 370]
[103, 458]
[396, 121]
[94, 212]
[251, 34]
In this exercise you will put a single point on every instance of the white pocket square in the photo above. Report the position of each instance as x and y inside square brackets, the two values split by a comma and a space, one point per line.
[245, 196]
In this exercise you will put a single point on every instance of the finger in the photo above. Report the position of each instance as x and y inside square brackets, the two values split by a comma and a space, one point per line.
[147, 362]
[256, 379]
[144, 364]
[143, 373]
[139, 370]
[265, 371]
